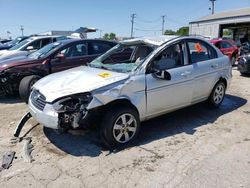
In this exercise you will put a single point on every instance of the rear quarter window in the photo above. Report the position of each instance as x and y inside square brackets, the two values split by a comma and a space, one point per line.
[200, 51]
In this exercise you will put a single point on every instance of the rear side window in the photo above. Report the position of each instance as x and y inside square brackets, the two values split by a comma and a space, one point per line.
[199, 51]
[45, 42]
[98, 48]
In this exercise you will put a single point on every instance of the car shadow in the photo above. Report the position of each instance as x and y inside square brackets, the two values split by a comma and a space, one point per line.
[186, 120]
[246, 75]
[10, 100]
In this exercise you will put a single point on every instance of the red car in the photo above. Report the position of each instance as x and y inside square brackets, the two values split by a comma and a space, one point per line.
[227, 47]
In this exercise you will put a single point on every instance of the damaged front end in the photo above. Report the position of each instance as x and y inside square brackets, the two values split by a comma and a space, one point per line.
[72, 110]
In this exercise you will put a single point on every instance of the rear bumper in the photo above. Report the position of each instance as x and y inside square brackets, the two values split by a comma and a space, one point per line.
[48, 117]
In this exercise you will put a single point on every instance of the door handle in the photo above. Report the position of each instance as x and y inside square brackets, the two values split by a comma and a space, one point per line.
[214, 66]
[186, 73]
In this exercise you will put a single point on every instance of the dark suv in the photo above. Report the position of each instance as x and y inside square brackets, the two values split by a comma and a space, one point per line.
[20, 73]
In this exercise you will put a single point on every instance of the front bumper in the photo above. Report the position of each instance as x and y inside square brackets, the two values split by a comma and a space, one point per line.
[48, 117]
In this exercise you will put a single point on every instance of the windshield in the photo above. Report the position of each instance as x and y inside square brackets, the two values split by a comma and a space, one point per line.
[14, 42]
[16, 47]
[123, 57]
[44, 51]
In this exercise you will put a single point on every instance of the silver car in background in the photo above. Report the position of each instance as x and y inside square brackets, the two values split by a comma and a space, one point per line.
[137, 80]
[28, 46]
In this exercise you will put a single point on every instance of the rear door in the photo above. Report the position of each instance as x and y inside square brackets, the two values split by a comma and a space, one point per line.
[206, 65]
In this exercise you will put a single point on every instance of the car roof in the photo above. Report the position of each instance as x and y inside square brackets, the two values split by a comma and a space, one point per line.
[44, 36]
[157, 41]
[70, 40]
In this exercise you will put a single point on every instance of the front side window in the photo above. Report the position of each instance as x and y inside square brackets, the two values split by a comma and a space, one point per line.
[169, 58]
[74, 50]
[199, 51]
[35, 44]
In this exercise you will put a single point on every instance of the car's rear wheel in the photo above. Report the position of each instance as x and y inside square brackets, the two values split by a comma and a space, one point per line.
[120, 126]
[25, 86]
[217, 95]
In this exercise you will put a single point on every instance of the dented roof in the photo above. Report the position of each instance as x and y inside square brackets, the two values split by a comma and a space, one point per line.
[157, 41]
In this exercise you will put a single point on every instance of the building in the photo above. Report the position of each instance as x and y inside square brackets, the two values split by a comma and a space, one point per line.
[79, 33]
[56, 32]
[233, 24]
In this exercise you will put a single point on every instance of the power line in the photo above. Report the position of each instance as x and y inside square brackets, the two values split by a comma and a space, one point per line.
[148, 21]
[147, 29]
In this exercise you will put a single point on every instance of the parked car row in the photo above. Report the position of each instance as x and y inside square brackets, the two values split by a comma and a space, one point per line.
[28, 46]
[18, 74]
[12, 43]
[244, 61]
[134, 81]
[227, 47]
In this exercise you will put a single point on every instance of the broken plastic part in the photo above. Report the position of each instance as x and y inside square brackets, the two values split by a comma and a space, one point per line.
[22, 122]
[27, 149]
[7, 159]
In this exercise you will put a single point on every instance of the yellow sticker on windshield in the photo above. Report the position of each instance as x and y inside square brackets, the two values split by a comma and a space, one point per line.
[105, 74]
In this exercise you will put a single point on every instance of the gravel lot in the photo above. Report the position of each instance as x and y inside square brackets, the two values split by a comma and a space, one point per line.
[193, 147]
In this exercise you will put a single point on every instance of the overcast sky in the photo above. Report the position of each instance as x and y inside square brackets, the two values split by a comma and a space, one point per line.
[107, 15]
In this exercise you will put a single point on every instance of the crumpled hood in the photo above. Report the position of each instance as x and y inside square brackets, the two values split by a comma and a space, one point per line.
[6, 54]
[77, 80]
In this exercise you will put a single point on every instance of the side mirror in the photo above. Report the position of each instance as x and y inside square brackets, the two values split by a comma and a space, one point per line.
[162, 74]
[60, 56]
[30, 48]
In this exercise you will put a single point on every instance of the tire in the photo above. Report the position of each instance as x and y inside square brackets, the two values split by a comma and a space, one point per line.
[25, 86]
[217, 95]
[116, 128]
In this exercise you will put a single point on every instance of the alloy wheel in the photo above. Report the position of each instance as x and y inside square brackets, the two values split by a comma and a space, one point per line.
[218, 94]
[124, 128]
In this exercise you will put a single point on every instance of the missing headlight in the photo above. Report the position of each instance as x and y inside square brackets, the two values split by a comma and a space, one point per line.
[72, 109]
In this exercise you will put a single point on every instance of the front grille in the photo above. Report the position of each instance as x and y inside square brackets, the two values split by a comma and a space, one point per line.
[38, 99]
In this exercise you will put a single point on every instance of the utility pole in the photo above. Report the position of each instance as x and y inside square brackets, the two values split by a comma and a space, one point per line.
[212, 1]
[132, 26]
[21, 28]
[163, 24]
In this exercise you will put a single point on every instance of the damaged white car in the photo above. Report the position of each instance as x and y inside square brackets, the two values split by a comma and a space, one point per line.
[136, 80]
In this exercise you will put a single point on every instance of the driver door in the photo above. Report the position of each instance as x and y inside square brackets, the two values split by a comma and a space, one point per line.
[73, 55]
[166, 95]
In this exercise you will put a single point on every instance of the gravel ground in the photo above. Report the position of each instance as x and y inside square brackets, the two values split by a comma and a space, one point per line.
[193, 147]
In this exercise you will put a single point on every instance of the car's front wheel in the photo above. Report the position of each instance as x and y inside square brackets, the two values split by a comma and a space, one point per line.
[217, 94]
[25, 86]
[120, 126]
